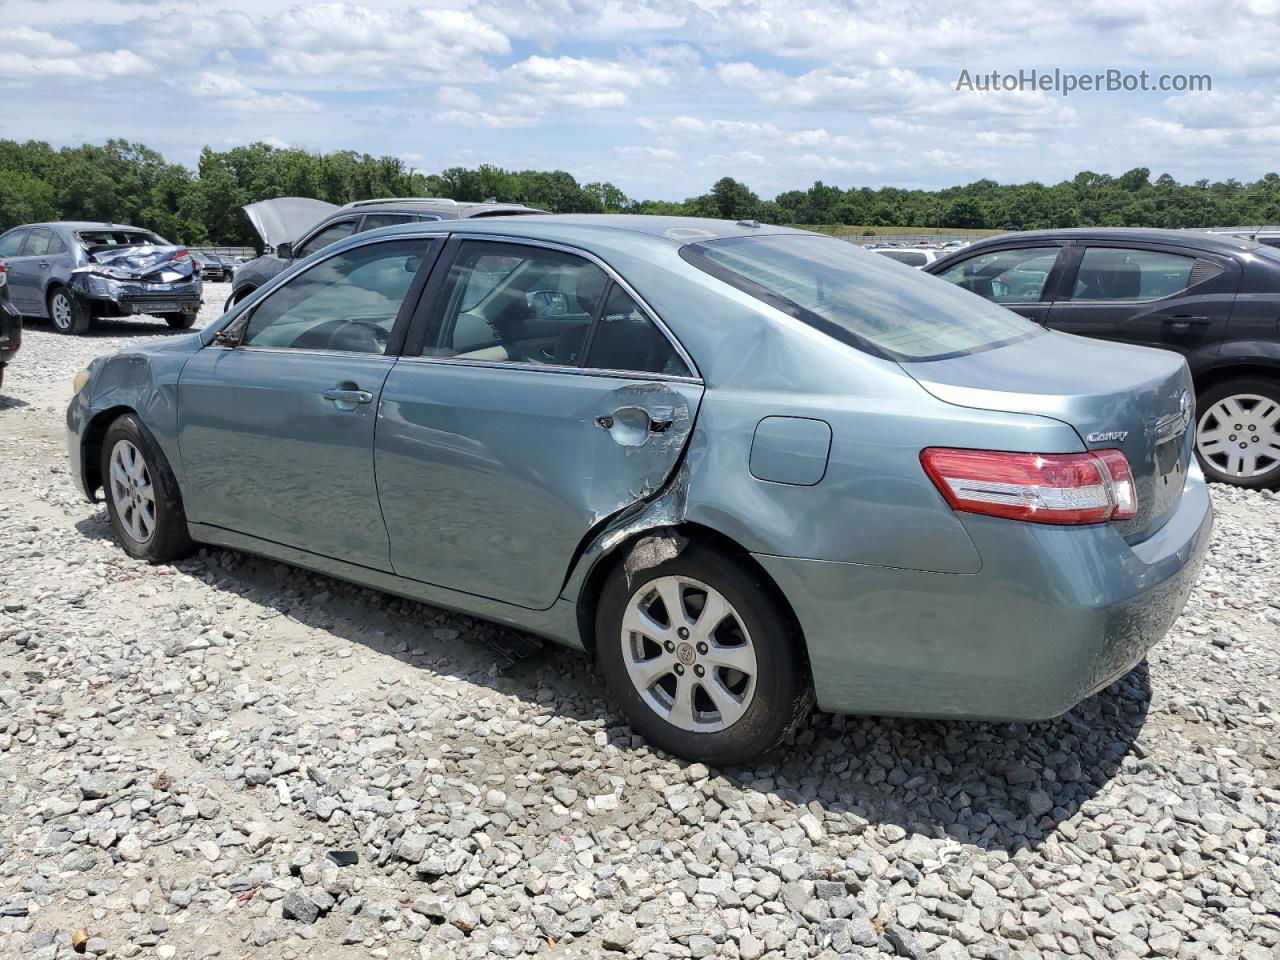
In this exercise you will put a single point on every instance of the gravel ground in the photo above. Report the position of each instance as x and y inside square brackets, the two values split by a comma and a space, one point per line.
[192, 756]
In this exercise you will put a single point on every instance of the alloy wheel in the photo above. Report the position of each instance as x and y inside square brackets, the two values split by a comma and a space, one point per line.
[1240, 435]
[688, 654]
[60, 310]
[132, 491]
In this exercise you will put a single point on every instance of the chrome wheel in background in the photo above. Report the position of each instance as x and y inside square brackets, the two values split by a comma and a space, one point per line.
[1240, 436]
[132, 491]
[688, 654]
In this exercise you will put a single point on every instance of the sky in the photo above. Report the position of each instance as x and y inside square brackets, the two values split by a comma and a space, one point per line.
[660, 98]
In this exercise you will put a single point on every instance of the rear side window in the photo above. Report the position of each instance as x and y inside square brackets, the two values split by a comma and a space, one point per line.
[912, 258]
[330, 234]
[1006, 276]
[1116, 273]
[859, 298]
[373, 221]
[624, 338]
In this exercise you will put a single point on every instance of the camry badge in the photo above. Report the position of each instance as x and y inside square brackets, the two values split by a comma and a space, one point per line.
[1116, 435]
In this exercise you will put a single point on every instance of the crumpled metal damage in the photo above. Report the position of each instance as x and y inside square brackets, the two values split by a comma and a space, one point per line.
[138, 279]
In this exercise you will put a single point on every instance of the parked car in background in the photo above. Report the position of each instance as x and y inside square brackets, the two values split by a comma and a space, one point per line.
[1213, 298]
[71, 272]
[745, 467]
[10, 323]
[212, 266]
[296, 227]
[912, 256]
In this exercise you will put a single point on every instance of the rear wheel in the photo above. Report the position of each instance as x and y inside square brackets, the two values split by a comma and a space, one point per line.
[179, 321]
[705, 663]
[63, 313]
[142, 494]
[1238, 433]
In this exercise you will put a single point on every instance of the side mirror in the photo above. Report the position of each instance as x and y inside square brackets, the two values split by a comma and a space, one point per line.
[232, 335]
[285, 251]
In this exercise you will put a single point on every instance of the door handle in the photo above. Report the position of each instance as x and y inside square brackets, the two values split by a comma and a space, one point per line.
[345, 395]
[44, 264]
[1186, 320]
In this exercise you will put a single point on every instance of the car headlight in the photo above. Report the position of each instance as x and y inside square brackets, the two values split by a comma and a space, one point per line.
[80, 380]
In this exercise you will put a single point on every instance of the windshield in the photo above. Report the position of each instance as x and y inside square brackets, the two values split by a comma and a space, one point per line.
[860, 298]
[117, 238]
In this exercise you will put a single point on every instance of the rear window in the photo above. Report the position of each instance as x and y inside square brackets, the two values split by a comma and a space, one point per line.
[858, 297]
[116, 238]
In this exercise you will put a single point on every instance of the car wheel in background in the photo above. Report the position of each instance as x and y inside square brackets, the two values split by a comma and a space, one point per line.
[64, 313]
[179, 321]
[142, 494]
[1238, 432]
[702, 659]
[236, 297]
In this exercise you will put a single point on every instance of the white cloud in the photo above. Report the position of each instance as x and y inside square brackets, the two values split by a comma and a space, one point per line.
[661, 154]
[230, 93]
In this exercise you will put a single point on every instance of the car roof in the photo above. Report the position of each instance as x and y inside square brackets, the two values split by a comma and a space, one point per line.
[1223, 242]
[440, 205]
[586, 228]
[86, 225]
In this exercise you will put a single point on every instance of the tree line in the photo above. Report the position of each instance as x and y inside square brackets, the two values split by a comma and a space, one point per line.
[130, 183]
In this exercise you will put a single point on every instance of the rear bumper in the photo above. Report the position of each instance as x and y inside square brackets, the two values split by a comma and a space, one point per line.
[1055, 614]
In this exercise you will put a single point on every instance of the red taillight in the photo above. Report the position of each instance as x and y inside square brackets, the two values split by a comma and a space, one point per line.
[180, 255]
[1062, 488]
[4, 273]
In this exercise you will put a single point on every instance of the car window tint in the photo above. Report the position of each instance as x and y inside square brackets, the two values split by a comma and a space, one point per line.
[56, 244]
[1115, 273]
[912, 258]
[1006, 276]
[859, 298]
[346, 303]
[508, 302]
[625, 338]
[330, 234]
[375, 220]
[11, 242]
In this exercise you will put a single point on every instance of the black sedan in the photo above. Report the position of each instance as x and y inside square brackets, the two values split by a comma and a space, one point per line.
[1213, 298]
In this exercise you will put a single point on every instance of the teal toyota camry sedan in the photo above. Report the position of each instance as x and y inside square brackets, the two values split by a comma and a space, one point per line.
[745, 468]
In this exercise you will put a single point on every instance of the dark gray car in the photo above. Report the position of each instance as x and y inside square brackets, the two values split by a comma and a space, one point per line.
[72, 271]
[295, 227]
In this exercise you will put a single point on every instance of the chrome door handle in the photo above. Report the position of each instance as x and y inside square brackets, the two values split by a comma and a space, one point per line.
[44, 264]
[348, 396]
[1185, 320]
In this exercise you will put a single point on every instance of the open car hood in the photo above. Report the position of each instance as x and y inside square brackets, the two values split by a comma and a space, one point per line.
[284, 219]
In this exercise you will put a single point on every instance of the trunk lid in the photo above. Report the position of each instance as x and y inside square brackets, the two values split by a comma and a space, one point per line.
[150, 262]
[1116, 396]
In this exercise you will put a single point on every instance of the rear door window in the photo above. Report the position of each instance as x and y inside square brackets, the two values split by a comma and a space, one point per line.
[859, 298]
[1119, 274]
[626, 338]
[912, 258]
[1006, 276]
[330, 234]
[375, 220]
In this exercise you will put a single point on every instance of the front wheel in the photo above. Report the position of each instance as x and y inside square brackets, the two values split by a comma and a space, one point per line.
[143, 499]
[703, 660]
[1238, 432]
[179, 321]
[64, 313]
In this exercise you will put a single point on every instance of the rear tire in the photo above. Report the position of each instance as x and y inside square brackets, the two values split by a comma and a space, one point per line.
[671, 676]
[1238, 432]
[143, 499]
[179, 321]
[66, 315]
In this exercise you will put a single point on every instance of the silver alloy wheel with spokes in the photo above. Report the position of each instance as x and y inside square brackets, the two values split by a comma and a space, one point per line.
[1240, 435]
[132, 491]
[60, 310]
[688, 653]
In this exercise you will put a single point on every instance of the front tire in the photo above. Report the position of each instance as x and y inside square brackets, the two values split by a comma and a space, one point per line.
[143, 499]
[179, 321]
[703, 660]
[1238, 432]
[64, 313]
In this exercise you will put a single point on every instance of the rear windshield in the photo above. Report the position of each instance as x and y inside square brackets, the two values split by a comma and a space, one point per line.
[859, 297]
[116, 238]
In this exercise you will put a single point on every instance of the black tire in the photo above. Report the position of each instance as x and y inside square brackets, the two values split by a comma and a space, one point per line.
[782, 695]
[236, 297]
[179, 321]
[169, 538]
[67, 313]
[1214, 460]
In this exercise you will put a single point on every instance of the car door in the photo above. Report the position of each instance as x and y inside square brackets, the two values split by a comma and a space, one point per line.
[23, 271]
[545, 398]
[1023, 278]
[276, 431]
[1147, 293]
